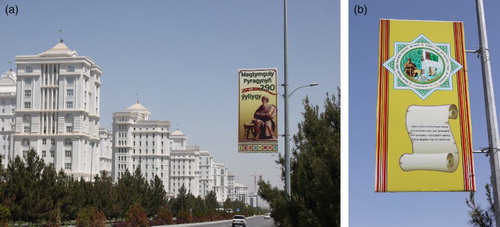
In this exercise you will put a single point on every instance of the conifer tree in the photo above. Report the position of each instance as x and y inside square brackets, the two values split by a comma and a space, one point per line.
[156, 196]
[315, 171]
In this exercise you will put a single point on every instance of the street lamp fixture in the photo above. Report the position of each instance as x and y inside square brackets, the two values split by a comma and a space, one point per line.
[309, 85]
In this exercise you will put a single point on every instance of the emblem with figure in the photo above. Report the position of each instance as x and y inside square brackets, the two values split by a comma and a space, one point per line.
[422, 66]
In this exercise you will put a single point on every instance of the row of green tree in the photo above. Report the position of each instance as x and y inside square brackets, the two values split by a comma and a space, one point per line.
[315, 171]
[36, 193]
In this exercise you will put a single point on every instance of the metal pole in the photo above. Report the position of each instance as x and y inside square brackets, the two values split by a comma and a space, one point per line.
[288, 189]
[489, 99]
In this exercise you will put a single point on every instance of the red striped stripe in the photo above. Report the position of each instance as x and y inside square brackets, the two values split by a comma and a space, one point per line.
[462, 89]
[381, 159]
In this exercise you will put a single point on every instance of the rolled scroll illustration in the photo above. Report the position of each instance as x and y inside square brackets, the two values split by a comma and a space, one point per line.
[434, 147]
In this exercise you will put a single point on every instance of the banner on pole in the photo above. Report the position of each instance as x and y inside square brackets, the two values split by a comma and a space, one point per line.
[424, 140]
[258, 111]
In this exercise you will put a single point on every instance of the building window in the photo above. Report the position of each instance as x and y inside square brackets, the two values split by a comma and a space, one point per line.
[27, 129]
[26, 142]
[69, 105]
[67, 166]
[67, 154]
[68, 142]
[52, 154]
[44, 154]
[27, 93]
[27, 105]
[44, 141]
[29, 69]
[69, 92]
[71, 68]
[70, 81]
[69, 128]
[53, 141]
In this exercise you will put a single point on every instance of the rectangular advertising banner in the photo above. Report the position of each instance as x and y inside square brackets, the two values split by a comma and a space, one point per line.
[258, 110]
[424, 140]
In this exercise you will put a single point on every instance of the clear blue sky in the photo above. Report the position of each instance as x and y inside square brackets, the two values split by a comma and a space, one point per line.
[182, 59]
[367, 208]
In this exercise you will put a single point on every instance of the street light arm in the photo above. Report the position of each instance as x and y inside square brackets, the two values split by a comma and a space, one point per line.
[303, 86]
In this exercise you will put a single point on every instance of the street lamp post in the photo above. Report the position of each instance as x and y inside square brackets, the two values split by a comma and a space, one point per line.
[285, 102]
[491, 113]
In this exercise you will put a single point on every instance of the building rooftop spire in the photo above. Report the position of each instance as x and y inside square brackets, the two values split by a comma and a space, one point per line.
[61, 40]
[60, 50]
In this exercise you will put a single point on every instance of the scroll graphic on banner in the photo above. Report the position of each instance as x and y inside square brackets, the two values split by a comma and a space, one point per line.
[258, 111]
[434, 147]
[424, 140]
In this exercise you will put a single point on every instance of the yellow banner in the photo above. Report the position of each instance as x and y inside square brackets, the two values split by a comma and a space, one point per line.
[258, 111]
[423, 119]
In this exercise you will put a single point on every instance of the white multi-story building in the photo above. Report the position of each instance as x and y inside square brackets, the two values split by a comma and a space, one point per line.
[230, 186]
[240, 192]
[105, 151]
[220, 184]
[141, 143]
[184, 165]
[7, 106]
[57, 111]
[206, 179]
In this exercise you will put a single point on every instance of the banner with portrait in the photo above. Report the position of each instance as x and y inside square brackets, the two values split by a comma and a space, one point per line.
[424, 139]
[258, 110]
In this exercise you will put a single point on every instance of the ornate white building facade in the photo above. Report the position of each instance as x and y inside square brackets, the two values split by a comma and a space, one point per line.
[240, 192]
[57, 111]
[140, 143]
[206, 179]
[220, 183]
[105, 151]
[51, 104]
[184, 164]
[7, 119]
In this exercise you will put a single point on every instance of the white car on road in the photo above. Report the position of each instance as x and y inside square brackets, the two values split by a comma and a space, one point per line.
[239, 220]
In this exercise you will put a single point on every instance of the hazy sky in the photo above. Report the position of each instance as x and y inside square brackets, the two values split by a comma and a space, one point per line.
[180, 59]
[367, 208]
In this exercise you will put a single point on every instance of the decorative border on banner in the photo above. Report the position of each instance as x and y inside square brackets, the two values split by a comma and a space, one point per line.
[249, 148]
[464, 109]
[382, 109]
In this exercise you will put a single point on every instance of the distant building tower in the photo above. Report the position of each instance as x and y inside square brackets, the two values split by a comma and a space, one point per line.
[206, 178]
[140, 143]
[7, 106]
[57, 112]
[184, 162]
[241, 192]
[220, 186]
[230, 186]
[105, 151]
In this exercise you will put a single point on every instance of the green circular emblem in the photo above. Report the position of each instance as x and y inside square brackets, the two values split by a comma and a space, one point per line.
[422, 66]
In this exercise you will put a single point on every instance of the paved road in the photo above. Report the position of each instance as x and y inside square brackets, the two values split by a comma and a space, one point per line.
[257, 221]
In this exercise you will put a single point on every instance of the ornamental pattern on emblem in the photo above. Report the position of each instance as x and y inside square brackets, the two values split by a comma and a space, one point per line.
[422, 66]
